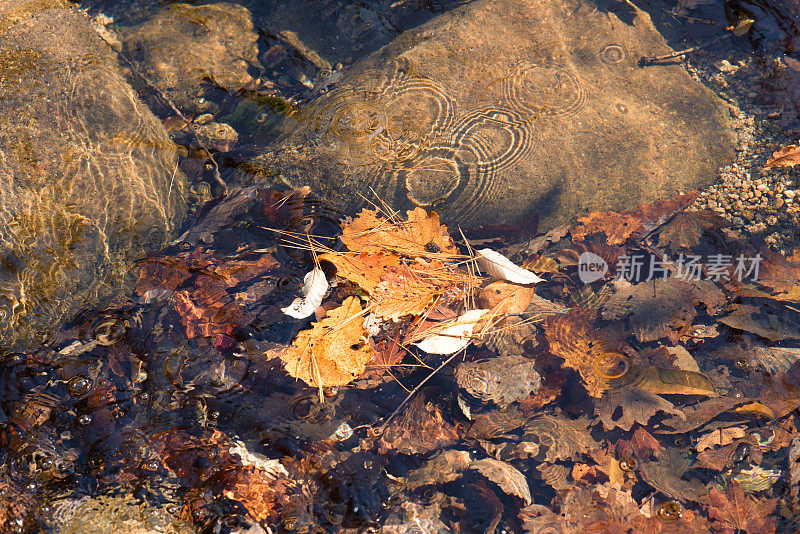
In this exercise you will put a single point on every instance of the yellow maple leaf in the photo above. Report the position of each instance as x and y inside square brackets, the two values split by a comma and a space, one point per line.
[334, 352]
[421, 235]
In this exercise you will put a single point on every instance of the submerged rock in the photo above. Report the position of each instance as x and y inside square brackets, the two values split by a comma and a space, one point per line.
[500, 107]
[88, 176]
[186, 50]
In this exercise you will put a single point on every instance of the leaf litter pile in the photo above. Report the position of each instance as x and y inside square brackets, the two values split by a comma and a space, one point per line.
[279, 369]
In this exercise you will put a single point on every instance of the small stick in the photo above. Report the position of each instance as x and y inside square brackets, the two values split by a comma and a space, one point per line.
[646, 61]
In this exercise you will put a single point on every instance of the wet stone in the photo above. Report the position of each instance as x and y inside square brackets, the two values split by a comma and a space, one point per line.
[88, 177]
[184, 49]
[485, 130]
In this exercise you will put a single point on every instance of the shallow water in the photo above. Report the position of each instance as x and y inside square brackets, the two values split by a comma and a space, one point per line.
[644, 380]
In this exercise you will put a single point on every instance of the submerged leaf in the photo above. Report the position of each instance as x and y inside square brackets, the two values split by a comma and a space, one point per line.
[334, 351]
[788, 156]
[685, 229]
[733, 511]
[504, 475]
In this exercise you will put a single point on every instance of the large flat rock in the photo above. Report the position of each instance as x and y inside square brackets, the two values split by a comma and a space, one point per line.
[88, 175]
[500, 107]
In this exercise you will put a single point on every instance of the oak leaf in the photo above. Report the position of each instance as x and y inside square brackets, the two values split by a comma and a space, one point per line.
[364, 270]
[617, 227]
[733, 511]
[788, 156]
[658, 211]
[719, 437]
[334, 351]
[421, 235]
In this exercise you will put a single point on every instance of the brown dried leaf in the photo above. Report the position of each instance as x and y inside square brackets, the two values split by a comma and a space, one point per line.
[626, 406]
[503, 298]
[718, 437]
[563, 437]
[495, 423]
[421, 428]
[420, 236]
[673, 382]
[334, 351]
[617, 227]
[666, 475]
[768, 320]
[788, 156]
[733, 511]
[364, 270]
[659, 211]
[662, 308]
[685, 229]
[504, 475]
[503, 380]
[779, 273]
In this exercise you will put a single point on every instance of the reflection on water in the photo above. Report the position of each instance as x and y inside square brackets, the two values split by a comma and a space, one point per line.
[644, 379]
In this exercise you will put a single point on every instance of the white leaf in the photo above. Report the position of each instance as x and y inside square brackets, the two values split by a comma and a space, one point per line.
[273, 467]
[315, 285]
[504, 475]
[455, 336]
[497, 265]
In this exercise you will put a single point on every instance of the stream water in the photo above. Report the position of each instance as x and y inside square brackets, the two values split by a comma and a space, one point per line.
[177, 180]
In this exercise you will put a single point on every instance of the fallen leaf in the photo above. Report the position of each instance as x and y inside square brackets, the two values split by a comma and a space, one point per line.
[453, 335]
[684, 230]
[666, 475]
[504, 475]
[718, 437]
[768, 320]
[504, 379]
[626, 406]
[583, 349]
[420, 235]
[503, 298]
[443, 468]
[497, 265]
[334, 351]
[617, 227]
[421, 428]
[733, 511]
[788, 156]
[364, 270]
[564, 438]
[672, 381]
[315, 285]
[662, 308]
